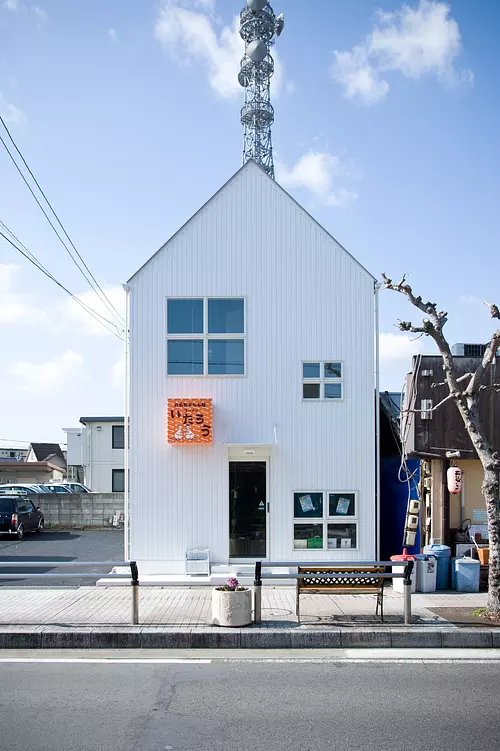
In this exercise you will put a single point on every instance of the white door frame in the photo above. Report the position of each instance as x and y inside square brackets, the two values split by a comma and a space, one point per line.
[236, 457]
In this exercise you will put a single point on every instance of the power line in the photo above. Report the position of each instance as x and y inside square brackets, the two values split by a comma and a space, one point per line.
[42, 268]
[32, 259]
[102, 294]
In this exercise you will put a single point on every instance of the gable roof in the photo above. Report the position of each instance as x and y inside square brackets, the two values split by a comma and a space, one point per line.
[251, 164]
[44, 450]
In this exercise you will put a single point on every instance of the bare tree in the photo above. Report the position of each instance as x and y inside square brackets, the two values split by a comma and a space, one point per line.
[465, 392]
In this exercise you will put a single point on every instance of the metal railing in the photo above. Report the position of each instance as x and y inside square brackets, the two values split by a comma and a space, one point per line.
[133, 576]
[259, 576]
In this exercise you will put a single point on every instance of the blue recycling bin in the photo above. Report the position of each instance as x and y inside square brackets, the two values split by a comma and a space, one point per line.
[442, 555]
[467, 574]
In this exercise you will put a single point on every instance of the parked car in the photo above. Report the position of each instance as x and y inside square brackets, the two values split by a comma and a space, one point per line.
[53, 488]
[68, 487]
[19, 515]
[78, 487]
[22, 487]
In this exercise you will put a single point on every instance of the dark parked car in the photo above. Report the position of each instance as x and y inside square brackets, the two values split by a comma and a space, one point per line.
[18, 515]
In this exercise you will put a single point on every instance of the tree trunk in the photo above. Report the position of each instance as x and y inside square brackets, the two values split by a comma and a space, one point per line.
[469, 410]
[491, 492]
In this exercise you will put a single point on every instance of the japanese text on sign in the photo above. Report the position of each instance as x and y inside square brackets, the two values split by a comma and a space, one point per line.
[189, 421]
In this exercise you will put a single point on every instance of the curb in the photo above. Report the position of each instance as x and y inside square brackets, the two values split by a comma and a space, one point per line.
[263, 638]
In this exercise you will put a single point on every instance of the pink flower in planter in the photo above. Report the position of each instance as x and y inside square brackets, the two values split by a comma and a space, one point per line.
[232, 583]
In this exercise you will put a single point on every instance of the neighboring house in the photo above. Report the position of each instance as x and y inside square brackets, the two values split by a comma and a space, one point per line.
[47, 452]
[42, 462]
[439, 438]
[13, 454]
[252, 382]
[30, 472]
[98, 449]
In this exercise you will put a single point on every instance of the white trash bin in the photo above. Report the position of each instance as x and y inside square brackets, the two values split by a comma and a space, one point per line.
[426, 574]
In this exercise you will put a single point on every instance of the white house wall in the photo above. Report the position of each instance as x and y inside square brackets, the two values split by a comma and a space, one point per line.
[306, 299]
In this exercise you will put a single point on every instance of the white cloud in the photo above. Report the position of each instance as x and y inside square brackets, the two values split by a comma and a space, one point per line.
[37, 378]
[189, 31]
[12, 5]
[118, 375]
[398, 348]
[318, 172]
[113, 35]
[40, 12]
[14, 307]
[415, 40]
[11, 114]
[76, 316]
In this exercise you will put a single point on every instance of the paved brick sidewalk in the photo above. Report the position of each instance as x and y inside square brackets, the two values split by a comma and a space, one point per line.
[189, 607]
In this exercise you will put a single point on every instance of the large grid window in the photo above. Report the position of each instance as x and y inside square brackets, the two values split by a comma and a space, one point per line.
[322, 380]
[206, 336]
[325, 520]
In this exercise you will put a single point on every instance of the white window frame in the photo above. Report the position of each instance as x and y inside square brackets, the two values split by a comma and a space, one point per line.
[326, 519]
[322, 380]
[205, 337]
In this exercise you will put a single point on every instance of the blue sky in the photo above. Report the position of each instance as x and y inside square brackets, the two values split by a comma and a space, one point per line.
[128, 113]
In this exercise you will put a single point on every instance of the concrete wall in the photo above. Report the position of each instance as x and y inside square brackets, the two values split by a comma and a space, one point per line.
[79, 510]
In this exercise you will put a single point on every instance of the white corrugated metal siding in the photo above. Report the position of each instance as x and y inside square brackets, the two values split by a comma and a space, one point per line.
[306, 299]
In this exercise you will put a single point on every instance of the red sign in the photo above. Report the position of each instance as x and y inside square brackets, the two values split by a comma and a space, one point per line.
[189, 421]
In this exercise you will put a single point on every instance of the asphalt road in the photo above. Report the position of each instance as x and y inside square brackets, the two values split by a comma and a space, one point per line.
[250, 706]
[71, 545]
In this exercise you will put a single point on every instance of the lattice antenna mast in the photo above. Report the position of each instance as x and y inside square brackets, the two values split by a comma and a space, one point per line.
[259, 28]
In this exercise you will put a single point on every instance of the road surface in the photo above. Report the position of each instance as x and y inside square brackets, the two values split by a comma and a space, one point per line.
[67, 545]
[246, 703]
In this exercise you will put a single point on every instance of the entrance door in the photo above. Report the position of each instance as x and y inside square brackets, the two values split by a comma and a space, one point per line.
[247, 509]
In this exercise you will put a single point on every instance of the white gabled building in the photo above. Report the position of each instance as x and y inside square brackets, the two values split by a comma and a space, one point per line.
[254, 306]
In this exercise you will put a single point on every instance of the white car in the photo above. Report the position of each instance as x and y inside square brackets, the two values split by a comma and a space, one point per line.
[66, 487]
[22, 487]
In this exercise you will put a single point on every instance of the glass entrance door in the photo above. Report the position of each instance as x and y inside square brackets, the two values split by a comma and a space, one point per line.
[247, 509]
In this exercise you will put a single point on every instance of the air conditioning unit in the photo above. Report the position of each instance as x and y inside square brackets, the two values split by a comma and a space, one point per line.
[427, 483]
[426, 468]
[198, 562]
[427, 373]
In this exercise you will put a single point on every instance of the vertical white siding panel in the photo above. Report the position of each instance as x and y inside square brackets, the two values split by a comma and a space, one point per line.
[306, 299]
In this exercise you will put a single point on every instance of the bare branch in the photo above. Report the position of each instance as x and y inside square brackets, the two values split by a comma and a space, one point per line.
[444, 383]
[495, 312]
[488, 357]
[432, 409]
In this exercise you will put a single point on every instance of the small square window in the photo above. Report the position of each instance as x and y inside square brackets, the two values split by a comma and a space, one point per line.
[226, 357]
[184, 316]
[333, 370]
[341, 504]
[311, 370]
[307, 536]
[342, 536]
[185, 357]
[310, 390]
[307, 505]
[226, 316]
[333, 391]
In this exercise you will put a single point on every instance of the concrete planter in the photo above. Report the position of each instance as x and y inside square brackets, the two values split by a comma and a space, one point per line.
[232, 609]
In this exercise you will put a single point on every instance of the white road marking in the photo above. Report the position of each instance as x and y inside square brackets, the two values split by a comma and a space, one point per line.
[106, 660]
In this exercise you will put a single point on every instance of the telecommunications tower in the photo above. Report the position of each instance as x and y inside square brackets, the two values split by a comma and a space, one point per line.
[258, 28]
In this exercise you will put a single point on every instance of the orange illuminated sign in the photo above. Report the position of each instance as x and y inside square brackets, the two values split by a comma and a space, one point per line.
[189, 421]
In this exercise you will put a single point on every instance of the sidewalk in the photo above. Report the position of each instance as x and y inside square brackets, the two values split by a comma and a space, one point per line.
[178, 617]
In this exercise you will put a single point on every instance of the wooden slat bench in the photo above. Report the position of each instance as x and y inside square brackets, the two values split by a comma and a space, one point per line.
[364, 582]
